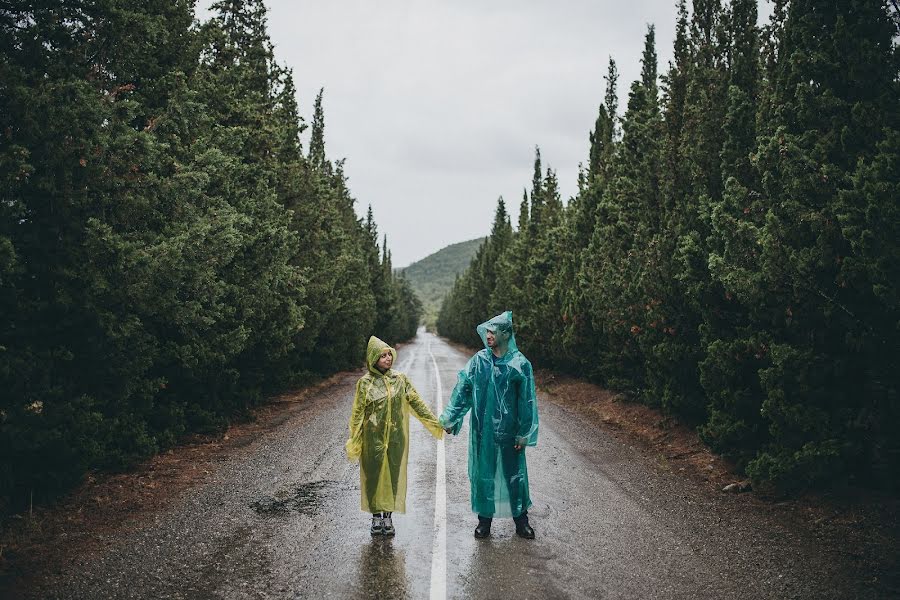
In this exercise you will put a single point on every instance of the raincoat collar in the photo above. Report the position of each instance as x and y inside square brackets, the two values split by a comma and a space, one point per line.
[373, 352]
[502, 323]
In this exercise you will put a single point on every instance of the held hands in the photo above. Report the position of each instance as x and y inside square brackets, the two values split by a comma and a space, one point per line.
[519, 447]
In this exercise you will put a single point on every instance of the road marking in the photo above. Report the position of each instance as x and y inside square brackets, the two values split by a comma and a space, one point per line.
[407, 363]
[439, 547]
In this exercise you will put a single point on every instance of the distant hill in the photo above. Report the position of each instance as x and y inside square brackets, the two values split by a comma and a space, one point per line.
[432, 277]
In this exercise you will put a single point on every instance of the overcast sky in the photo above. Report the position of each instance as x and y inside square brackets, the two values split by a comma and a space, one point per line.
[437, 105]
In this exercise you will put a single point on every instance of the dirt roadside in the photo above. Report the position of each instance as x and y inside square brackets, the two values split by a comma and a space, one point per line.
[865, 524]
[105, 504]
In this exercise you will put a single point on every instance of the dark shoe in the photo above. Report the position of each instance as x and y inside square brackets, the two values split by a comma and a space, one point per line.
[377, 524]
[387, 525]
[484, 528]
[523, 529]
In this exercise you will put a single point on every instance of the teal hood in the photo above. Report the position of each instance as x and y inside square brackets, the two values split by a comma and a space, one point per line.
[501, 325]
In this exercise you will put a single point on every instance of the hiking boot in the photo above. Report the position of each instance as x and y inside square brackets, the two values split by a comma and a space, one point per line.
[484, 528]
[377, 524]
[523, 529]
[388, 525]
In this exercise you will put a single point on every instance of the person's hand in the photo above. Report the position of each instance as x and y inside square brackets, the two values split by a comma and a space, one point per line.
[519, 447]
[449, 430]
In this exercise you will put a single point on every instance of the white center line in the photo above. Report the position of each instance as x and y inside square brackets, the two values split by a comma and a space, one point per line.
[439, 548]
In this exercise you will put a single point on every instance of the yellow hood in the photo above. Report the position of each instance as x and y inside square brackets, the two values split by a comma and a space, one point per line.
[373, 352]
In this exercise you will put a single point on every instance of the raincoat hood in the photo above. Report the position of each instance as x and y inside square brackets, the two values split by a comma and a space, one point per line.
[373, 352]
[501, 325]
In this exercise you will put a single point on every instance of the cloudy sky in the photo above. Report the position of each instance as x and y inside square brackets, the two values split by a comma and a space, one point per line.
[437, 105]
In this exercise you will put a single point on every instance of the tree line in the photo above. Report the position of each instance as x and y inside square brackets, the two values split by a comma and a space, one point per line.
[169, 252]
[732, 254]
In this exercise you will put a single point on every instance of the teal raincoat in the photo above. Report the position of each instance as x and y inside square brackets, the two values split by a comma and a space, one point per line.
[500, 393]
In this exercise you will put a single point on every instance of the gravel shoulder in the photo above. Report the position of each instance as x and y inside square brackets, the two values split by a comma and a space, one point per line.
[860, 528]
[107, 506]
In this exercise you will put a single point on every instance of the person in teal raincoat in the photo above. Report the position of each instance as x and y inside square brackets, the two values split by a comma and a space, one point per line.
[497, 385]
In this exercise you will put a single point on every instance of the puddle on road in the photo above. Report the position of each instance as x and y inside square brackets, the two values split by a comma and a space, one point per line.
[304, 498]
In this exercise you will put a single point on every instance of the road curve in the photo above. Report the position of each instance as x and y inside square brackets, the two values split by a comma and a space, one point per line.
[280, 518]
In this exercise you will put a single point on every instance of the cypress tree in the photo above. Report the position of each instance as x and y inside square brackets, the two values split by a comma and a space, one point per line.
[499, 242]
[240, 82]
[163, 238]
[513, 289]
[675, 83]
[626, 218]
[524, 212]
[317, 135]
[110, 234]
[834, 98]
[732, 338]
[550, 275]
[577, 334]
[678, 287]
[742, 265]
[537, 199]
[649, 67]
[603, 136]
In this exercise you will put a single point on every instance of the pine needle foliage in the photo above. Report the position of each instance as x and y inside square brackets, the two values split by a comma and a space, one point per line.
[733, 252]
[169, 255]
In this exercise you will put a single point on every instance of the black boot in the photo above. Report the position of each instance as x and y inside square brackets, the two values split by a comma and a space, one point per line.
[523, 529]
[484, 527]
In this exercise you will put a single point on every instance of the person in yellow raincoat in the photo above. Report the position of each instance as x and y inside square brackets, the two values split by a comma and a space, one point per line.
[379, 434]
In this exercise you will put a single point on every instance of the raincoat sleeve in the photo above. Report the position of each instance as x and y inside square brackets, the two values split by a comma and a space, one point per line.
[354, 443]
[460, 402]
[421, 410]
[527, 408]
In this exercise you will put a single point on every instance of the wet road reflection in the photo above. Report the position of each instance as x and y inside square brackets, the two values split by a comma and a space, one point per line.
[382, 570]
[515, 568]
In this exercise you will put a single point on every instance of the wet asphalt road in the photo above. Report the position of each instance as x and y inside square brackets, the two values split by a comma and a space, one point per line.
[281, 519]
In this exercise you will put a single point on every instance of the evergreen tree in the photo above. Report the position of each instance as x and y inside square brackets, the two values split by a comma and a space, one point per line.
[733, 340]
[834, 97]
[626, 219]
[240, 82]
[513, 290]
[649, 67]
[577, 333]
[742, 264]
[682, 287]
[317, 136]
[549, 275]
[499, 242]
[675, 83]
[603, 135]
[163, 240]
[537, 199]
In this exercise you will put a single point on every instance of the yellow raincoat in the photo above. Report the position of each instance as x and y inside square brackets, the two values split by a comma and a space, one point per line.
[379, 432]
